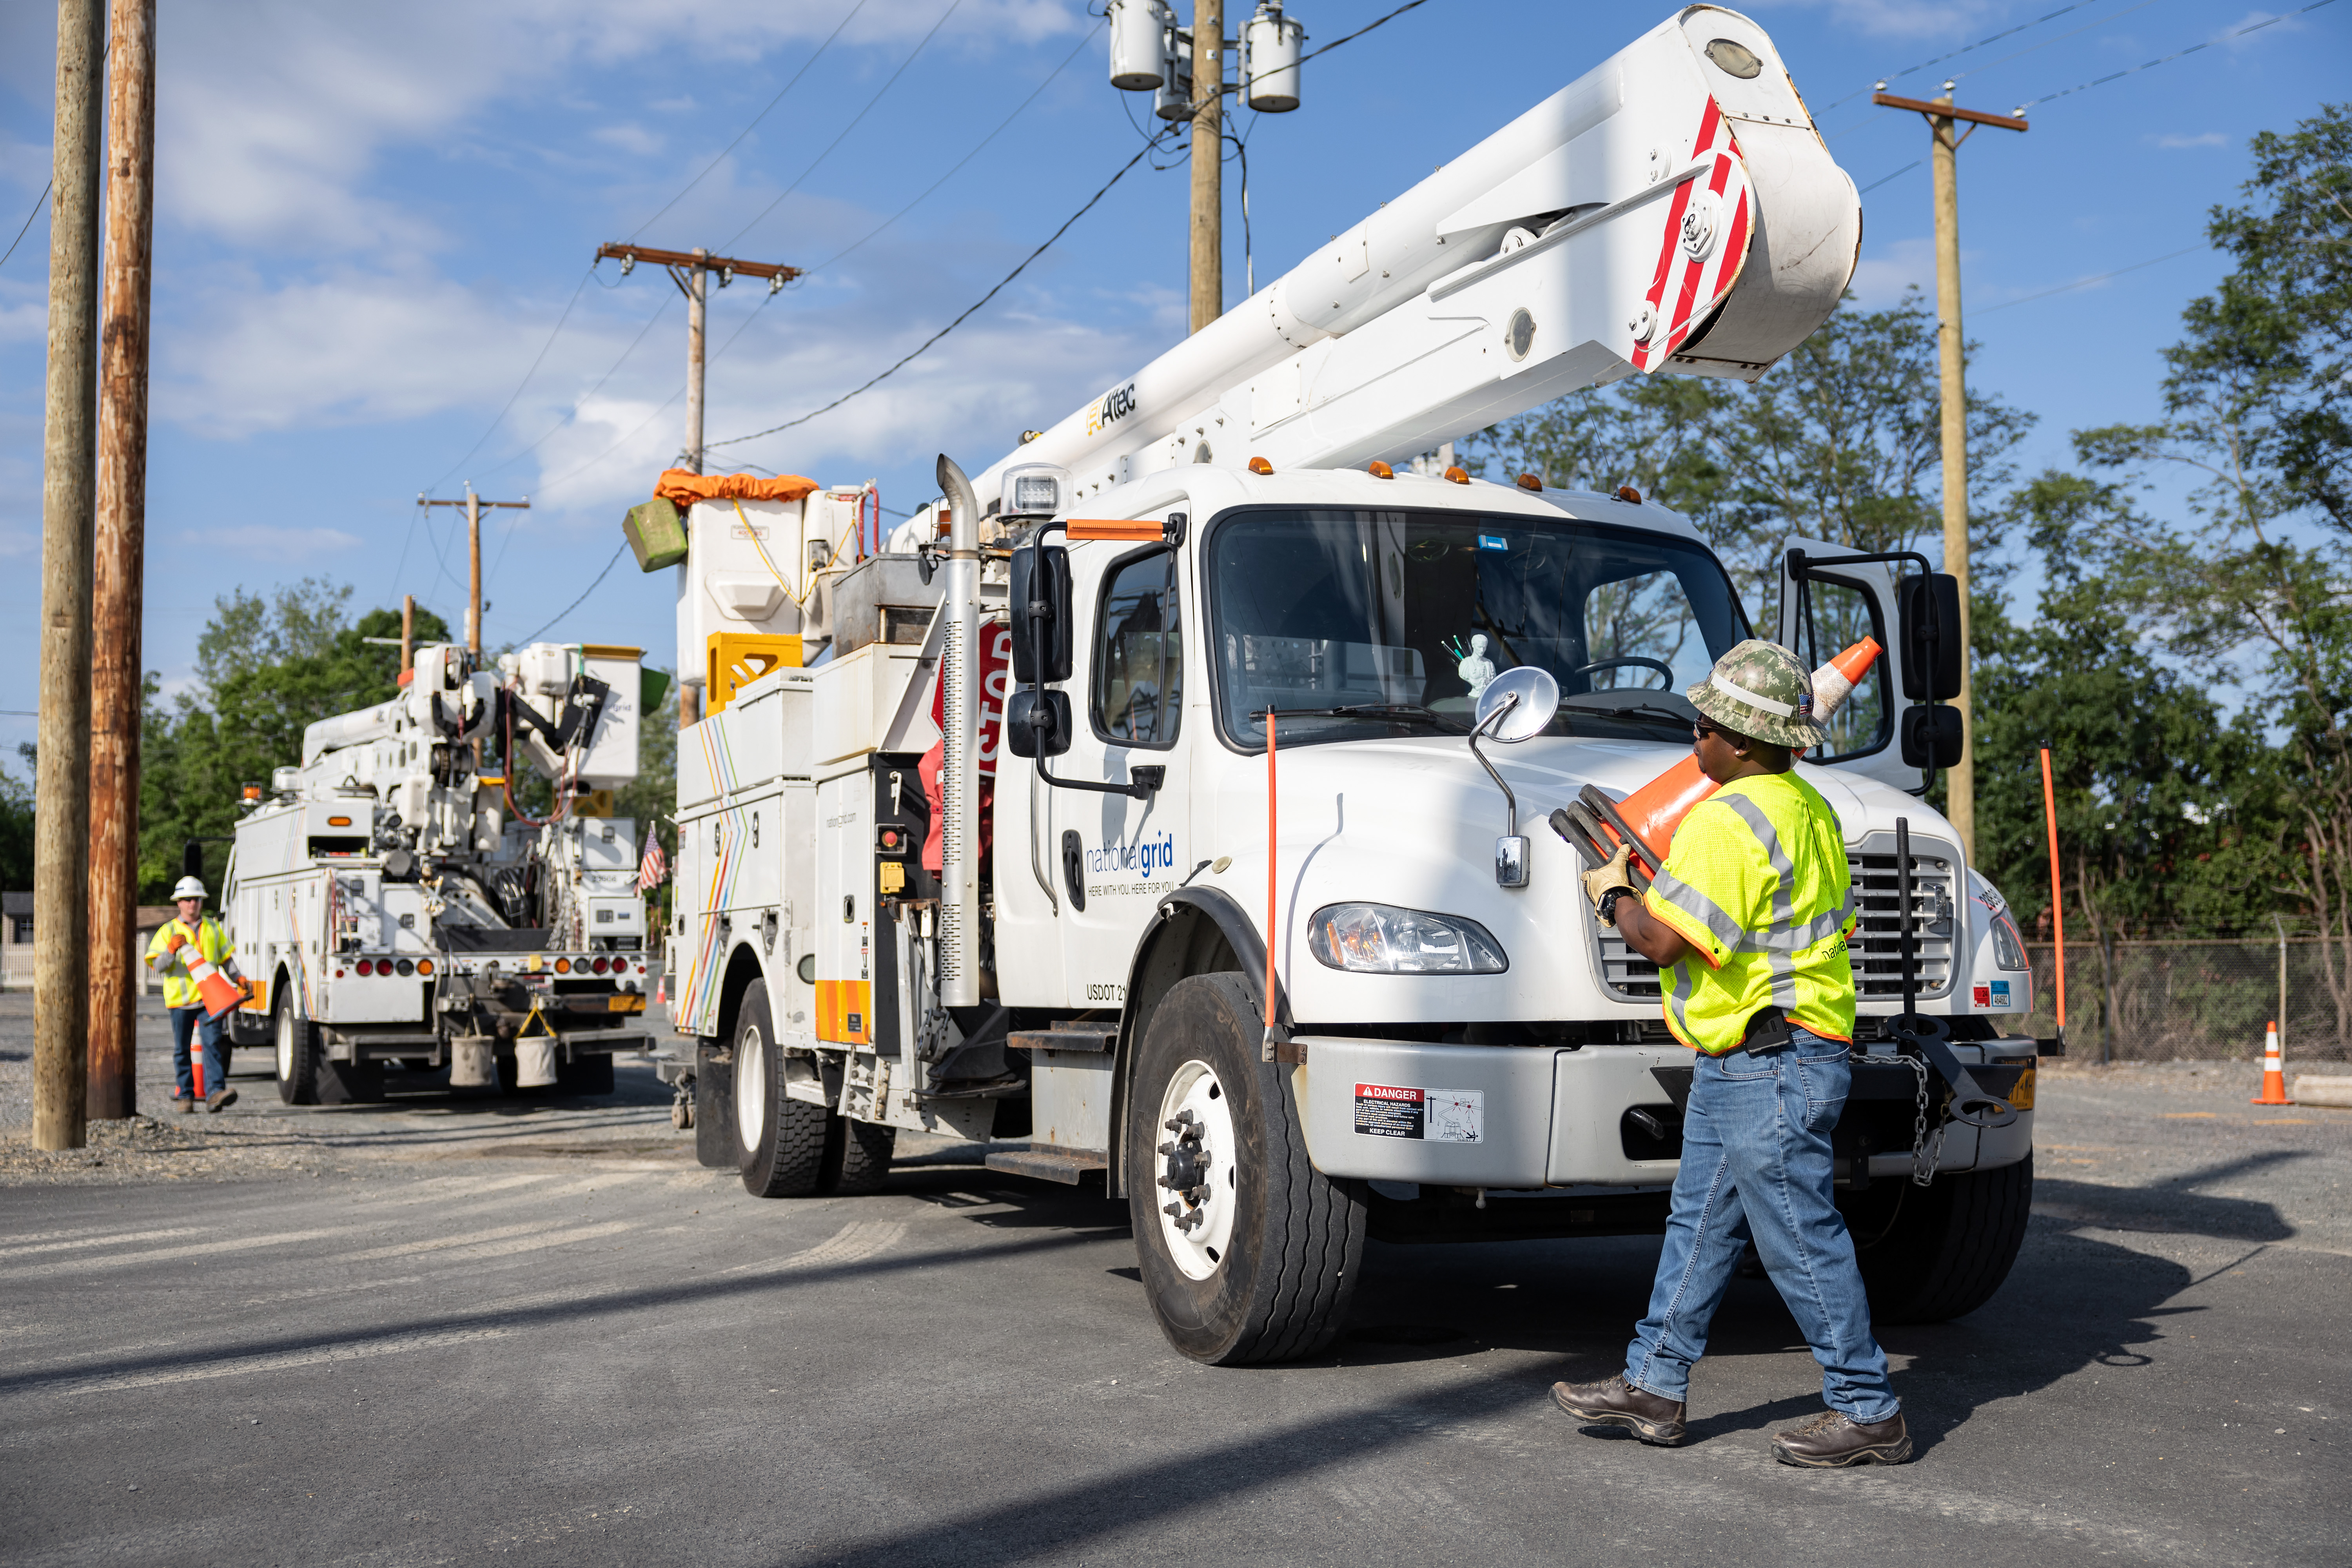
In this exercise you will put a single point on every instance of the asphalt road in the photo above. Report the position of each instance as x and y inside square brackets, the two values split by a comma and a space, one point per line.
[455, 1330]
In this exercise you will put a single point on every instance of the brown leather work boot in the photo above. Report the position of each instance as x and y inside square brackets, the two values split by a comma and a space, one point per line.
[1614, 1402]
[1830, 1441]
[220, 1100]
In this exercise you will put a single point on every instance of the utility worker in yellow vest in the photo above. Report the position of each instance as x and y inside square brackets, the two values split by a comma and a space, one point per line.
[201, 937]
[1747, 921]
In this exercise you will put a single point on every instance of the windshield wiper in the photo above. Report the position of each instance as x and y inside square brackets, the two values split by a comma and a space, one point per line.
[1393, 711]
[1632, 708]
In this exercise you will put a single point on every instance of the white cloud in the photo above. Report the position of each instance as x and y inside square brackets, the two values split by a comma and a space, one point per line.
[1879, 280]
[2177, 139]
[272, 112]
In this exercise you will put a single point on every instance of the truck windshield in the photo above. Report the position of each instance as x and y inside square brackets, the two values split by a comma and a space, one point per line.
[1403, 616]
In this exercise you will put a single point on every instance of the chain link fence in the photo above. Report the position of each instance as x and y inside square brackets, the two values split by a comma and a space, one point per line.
[2189, 999]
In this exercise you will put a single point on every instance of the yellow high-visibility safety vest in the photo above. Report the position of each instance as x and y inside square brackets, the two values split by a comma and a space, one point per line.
[1757, 883]
[210, 942]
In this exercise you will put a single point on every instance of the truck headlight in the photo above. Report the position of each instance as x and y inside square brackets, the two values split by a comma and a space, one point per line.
[1382, 939]
[2008, 943]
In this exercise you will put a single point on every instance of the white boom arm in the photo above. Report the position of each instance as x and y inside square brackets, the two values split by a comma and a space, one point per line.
[1672, 209]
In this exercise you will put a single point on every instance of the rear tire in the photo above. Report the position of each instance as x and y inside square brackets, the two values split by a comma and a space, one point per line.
[1270, 1278]
[856, 1156]
[781, 1140]
[1932, 1253]
[714, 1110]
[298, 1055]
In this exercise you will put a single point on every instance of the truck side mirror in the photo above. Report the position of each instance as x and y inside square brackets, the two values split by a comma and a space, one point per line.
[1040, 595]
[1932, 737]
[1037, 723]
[1930, 604]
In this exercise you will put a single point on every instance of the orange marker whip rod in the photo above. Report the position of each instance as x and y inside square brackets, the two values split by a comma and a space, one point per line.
[2057, 903]
[1271, 893]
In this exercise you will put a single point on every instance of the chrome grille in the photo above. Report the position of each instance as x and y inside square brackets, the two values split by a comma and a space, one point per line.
[1875, 950]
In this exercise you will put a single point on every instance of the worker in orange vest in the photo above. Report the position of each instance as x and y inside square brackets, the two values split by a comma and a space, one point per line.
[193, 937]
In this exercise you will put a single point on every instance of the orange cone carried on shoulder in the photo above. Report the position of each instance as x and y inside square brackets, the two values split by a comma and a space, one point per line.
[2273, 1072]
[219, 994]
[1652, 812]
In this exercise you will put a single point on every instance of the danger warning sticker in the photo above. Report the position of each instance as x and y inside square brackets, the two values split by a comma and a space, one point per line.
[1433, 1115]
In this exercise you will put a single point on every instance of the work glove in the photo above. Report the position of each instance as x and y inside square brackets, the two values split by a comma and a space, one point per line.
[1598, 881]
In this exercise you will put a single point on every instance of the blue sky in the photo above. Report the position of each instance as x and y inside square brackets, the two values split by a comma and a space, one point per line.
[370, 218]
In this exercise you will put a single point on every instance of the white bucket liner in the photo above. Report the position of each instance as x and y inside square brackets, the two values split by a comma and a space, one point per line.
[473, 1063]
[535, 1062]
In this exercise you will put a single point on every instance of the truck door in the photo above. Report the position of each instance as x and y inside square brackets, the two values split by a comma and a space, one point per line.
[1839, 605]
[1111, 856]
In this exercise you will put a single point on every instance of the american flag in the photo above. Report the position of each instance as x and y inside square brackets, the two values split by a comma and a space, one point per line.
[653, 870]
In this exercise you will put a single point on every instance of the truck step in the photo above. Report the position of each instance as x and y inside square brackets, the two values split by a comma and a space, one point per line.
[1064, 1165]
[1069, 1038]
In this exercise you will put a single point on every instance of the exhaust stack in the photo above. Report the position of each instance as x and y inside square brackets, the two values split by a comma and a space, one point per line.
[959, 775]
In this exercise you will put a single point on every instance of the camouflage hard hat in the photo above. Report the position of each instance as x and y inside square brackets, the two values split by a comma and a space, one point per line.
[1760, 690]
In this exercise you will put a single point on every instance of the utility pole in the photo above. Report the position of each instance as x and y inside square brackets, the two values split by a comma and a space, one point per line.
[1208, 162]
[473, 505]
[407, 633]
[691, 270]
[61, 780]
[1944, 124]
[118, 599]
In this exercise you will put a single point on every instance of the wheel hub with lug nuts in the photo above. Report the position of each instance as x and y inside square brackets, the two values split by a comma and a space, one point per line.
[1196, 1170]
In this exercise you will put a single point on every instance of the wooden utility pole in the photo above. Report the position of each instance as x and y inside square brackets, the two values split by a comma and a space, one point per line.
[691, 270]
[117, 600]
[473, 505]
[407, 633]
[1944, 124]
[1208, 162]
[61, 767]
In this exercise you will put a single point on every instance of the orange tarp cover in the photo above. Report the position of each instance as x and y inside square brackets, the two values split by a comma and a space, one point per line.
[684, 487]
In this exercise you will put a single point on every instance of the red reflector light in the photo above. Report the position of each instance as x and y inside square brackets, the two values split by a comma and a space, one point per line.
[599, 966]
[365, 967]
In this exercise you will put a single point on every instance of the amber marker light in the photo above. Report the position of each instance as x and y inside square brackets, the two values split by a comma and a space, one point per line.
[1380, 470]
[1260, 466]
[424, 966]
[562, 966]
[1458, 476]
[1530, 482]
[1628, 493]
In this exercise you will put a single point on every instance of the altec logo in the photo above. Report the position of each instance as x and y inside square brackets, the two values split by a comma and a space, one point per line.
[1111, 409]
[1142, 858]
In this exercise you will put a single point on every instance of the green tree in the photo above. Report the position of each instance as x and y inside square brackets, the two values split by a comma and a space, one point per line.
[1837, 442]
[17, 825]
[266, 669]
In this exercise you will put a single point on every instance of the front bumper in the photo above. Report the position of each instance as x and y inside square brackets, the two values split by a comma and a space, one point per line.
[1516, 1118]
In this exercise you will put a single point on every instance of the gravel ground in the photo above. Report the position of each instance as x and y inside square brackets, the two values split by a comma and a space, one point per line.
[458, 1327]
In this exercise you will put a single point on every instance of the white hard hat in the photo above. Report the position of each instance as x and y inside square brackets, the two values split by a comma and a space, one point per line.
[188, 887]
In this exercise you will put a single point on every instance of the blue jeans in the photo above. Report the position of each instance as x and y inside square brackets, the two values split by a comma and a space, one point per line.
[188, 1021]
[1756, 1162]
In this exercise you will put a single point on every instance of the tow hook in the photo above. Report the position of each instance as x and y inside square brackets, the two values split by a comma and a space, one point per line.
[1186, 1174]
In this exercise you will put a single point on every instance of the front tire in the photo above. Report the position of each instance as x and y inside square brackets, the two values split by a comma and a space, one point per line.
[1248, 1253]
[781, 1140]
[1938, 1252]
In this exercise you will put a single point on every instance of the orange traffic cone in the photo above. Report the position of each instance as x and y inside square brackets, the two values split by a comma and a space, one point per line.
[1658, 807]
[1835, 681]
[2273, 1072]
[218, 992]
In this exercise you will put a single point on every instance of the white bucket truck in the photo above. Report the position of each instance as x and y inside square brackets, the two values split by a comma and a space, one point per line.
[392, 903]
[1032, 906]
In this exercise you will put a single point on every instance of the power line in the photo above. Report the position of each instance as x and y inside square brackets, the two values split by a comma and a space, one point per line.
[846, 130]
[2087, 282]
[2165, 59]
[576, 291]
[1359, 32]
[582, 402]
[1954, 54]
[582, 599]
[967, 158]
[755, 121]
[951, 326]
[1883, 178]
[659, 410]
[29, 216]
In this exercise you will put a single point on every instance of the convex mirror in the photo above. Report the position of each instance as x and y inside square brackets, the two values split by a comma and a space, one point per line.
[1519, 703]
